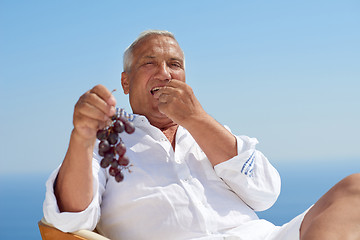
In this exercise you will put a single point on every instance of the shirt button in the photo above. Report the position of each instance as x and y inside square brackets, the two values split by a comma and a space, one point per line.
[187, 179]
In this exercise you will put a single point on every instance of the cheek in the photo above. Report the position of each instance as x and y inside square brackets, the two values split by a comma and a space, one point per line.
[136, 90]
[139, 90]
[178, 75]
[137, 83]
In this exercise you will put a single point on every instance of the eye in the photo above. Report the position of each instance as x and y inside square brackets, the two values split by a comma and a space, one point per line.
[175, 65]
[148, 64]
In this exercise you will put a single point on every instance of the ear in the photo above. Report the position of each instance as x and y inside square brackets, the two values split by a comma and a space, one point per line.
[125, 82]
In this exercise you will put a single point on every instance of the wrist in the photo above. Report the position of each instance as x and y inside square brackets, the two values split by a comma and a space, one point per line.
[197, 122]
[79, 140]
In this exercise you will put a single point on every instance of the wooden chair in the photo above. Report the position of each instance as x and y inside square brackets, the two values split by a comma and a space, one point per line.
[49, 232]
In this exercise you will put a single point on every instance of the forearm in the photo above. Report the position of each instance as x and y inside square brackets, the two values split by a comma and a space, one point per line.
[178, 102]
[214, 139]
[74, 184]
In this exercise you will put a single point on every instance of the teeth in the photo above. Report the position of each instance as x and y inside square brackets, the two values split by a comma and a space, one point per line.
[155, 89]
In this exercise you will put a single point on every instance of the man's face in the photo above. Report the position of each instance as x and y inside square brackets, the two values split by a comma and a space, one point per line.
[156, 60]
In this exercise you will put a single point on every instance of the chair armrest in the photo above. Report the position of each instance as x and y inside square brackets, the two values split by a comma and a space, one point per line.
[49, 232]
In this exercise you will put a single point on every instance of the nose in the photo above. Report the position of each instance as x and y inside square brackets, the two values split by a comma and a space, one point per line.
[163, 72]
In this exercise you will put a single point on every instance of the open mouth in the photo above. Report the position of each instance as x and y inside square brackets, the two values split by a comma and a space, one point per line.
[154, 90]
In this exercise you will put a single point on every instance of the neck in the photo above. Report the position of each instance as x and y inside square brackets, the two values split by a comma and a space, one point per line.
[170, 133]
[169, 130]
[167, 126]
[163, 123]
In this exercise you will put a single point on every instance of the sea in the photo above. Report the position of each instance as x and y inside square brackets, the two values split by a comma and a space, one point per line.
[303, 183]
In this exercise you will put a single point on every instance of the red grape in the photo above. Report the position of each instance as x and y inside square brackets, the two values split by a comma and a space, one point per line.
[113, 171]
[114, 163]
[102, 134]
[129, 127]
[104, 163]
[109, 156]
[111, 146]
[119, 176]
[113, 138]
[124, 161]
[104, 146]
[119, 126]
[120, 149]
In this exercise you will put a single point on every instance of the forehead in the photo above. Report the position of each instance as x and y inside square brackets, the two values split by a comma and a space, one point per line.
[158, 46]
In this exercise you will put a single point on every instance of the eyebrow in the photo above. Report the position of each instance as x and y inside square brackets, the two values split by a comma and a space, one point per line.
[171, 59]
[177, 59]
[149, 56]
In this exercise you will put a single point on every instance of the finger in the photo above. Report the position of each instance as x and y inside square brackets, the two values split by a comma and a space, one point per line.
[104, 94]
[97, 102]
[168, 90]
[175, 83]
[174, 86]
[83, 123]
[97, 96]
[165, 98]
[92, 112]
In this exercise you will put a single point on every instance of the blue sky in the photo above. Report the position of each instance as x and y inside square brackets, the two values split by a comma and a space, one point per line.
[286, 72]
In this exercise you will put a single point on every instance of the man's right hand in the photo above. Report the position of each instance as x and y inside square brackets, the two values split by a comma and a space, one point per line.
[92, 111]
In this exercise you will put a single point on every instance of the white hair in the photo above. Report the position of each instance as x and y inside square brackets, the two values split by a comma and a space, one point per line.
[128, 54]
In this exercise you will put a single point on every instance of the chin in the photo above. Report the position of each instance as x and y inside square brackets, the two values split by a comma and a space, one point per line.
[159, 115]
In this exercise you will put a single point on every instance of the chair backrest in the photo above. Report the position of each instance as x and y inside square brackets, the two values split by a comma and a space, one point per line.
[48, 232]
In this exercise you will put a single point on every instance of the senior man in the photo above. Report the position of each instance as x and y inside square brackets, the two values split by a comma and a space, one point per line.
[191, 177]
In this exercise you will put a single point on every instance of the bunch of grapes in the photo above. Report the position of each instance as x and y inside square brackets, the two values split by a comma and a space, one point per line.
[111, 146]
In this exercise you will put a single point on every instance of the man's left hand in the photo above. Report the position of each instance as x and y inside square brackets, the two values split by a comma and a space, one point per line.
[178, 102]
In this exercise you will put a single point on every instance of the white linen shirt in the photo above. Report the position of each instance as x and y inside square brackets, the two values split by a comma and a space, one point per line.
[175, 194]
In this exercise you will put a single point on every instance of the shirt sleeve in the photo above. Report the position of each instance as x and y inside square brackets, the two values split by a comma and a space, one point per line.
[74, 221]
[250, 175]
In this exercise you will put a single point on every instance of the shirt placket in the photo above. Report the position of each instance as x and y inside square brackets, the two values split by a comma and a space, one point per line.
[182, 170]
[190, 185]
